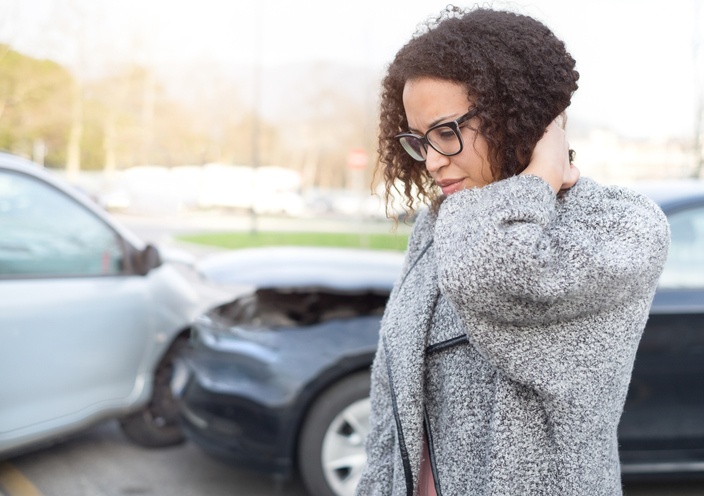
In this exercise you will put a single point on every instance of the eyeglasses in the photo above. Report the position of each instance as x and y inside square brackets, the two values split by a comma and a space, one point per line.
[445, 138]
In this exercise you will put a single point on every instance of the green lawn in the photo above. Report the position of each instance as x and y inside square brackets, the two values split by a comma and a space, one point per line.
[233, 240]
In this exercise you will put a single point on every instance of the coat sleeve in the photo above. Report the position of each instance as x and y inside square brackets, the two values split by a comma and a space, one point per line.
[377, 476]
[510, 254]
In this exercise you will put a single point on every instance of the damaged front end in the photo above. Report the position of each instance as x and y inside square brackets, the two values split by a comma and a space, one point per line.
[257, 361]
[297, 307]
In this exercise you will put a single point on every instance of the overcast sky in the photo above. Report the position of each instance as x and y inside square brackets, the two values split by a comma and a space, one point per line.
[636, 57]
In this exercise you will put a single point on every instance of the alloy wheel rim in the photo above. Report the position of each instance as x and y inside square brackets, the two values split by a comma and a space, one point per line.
[343, 453]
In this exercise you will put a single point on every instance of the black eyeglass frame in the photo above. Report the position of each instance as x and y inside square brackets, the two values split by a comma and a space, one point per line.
[425, 142]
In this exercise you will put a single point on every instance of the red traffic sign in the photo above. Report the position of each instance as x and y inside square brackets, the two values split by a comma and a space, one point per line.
[357, 159]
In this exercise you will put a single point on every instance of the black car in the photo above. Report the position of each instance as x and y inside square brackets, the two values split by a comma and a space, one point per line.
[278, 379]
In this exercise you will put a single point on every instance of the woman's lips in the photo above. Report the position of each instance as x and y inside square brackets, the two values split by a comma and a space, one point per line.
[450, 186]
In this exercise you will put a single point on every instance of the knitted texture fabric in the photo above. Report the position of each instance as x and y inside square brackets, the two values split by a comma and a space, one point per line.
[510, 340]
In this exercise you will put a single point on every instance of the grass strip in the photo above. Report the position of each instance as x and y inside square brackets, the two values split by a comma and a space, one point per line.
[235, 240]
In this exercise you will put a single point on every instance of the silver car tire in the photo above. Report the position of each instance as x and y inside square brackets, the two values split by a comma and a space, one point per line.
[331, 452]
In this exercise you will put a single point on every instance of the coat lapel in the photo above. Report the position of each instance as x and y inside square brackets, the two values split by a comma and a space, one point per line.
[405, 329]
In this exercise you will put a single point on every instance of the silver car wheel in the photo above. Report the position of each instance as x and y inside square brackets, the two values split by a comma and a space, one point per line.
[343, 456]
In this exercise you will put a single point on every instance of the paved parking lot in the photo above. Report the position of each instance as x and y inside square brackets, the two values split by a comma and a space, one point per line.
[101, 462]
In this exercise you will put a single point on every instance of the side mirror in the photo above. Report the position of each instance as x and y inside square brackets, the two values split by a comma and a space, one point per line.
[147, 259]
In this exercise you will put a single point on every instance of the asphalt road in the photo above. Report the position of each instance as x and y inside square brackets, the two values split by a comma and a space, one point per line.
[101, 462]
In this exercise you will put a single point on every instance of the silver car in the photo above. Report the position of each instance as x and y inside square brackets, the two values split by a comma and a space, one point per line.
[90, 317]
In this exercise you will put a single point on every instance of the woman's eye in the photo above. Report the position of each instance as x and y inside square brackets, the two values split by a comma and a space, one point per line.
[445, 134]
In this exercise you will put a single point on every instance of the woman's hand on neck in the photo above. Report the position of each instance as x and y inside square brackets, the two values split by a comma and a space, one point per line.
[550, 160]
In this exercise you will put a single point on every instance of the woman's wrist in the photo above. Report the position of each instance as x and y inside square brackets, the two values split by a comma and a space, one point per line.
[544, 173]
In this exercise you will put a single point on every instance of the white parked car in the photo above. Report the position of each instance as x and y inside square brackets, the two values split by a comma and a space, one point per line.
[90, 317]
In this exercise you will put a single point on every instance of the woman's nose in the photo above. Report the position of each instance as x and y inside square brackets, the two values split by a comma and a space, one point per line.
[434, 161]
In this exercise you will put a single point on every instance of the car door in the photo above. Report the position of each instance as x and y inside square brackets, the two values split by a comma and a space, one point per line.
[74, 324]
[664, 411]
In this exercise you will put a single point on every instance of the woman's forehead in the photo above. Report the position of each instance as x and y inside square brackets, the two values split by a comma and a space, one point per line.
[429, 101]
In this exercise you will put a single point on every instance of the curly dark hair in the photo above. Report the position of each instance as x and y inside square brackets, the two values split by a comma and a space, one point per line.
[518, 73]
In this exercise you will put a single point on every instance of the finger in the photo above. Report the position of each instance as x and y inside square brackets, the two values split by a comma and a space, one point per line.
[571, 177]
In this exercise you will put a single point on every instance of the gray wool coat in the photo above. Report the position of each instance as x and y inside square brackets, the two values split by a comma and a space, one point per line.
[509, 341]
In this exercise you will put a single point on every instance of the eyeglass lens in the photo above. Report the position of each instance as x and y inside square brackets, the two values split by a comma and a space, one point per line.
[444, 139]
[414, 146]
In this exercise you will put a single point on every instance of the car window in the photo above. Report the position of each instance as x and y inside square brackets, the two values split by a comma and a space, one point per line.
[44, 232]
[685, 261]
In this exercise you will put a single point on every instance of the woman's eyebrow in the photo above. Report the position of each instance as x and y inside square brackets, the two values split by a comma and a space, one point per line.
[437, 121]
[440, 120]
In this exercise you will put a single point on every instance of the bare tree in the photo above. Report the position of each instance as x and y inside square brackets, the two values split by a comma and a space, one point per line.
[325, 121]
[70, 25]
[73, 155]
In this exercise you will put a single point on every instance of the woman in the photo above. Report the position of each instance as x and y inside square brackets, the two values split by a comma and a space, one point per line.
[507, 345]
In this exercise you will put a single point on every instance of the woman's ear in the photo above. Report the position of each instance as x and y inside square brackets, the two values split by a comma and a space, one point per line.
[561, 120]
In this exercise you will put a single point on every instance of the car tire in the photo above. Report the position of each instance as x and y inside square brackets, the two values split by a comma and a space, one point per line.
[157, 424]
[331, 451]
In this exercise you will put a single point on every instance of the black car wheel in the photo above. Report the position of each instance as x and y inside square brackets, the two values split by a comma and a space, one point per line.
[331, 452]
[157, 424]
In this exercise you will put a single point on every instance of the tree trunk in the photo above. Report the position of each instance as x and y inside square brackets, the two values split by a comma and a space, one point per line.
[73, 157]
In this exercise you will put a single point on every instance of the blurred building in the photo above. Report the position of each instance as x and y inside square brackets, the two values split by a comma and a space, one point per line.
[610, 158]
[601, 154]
